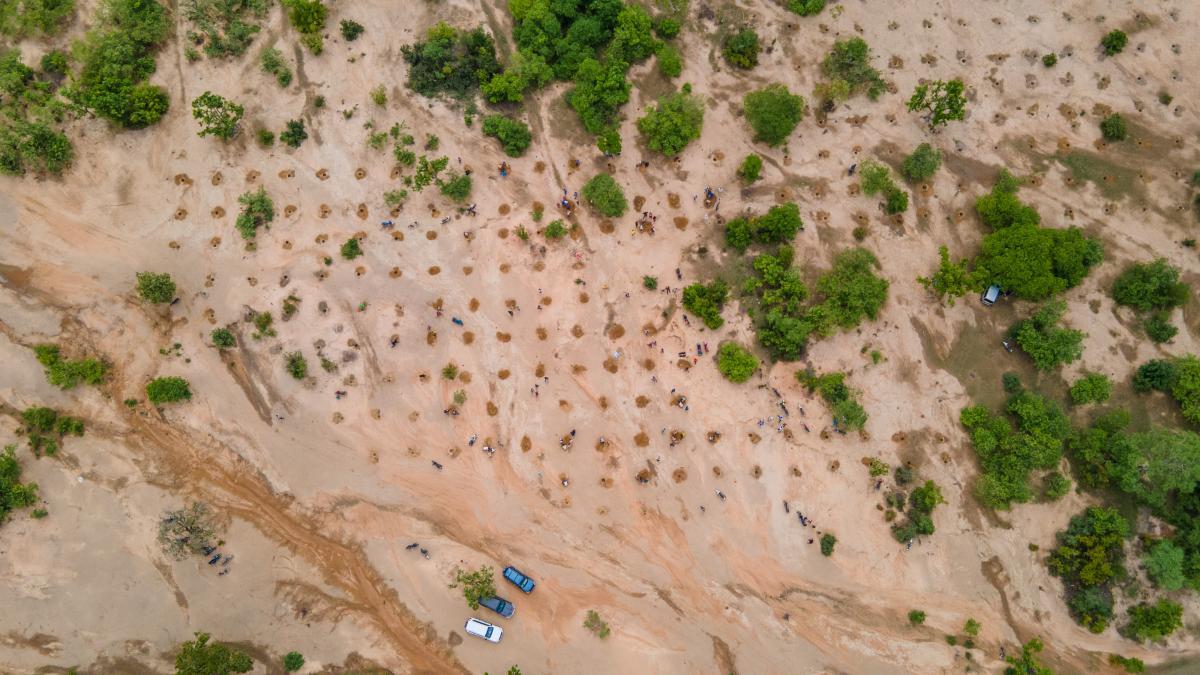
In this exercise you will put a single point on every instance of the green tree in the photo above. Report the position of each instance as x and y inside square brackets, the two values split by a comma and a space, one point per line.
[605, 195]
[951, 279]
[457, 187]
[1045, 341]
[806, 7]
[1114, 42]
[1147, 286]
[514, 135]
[1164, 565]
[273, 64]
[741, 48]
[1007, 456]
[13, 493]
[828, 541]
[156, 288]
[351, 249]
[670, 61]
[673, 123]
[257, 211]
[1154, 622]
[941, 101]
[198, 657]
[1159, 328]
[1091, 388]
[222, 338]
[168, 390]
[1026, 662]
[65, 373]
[1056, 486]
[650, 283]
[750, 168]
[1163, 466]
[848, 69]
[599, 92]
[555, 230]
[350, 32]
[293, 134]
[916, 617]
[1090, 555]
[1113, 128]
[773, 112]
[922, 163]
[633, 39]
[217, 116]
[475, 585]
[736, 362]
[706, 301]
[1156, 375]
[297, 365]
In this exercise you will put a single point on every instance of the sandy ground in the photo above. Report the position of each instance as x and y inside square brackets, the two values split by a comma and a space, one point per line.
[322, 495]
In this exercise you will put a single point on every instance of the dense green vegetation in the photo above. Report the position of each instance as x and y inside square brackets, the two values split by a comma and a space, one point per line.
[828, 541]
[351, 249]
[514, 135]
[848, 414]
[922, 163]
[257, 211]
[806, 7]
[45, 429]
[940, 101]
[156, 288]
[919, 517]
[308, 18]
[670, 61]
[225, 27]
[848, 71]
[168, 390]
[273, 64]
[1114, 42]
[777, 226]
[951, 279]
[1091, 388]
[451, 61]
[605, 195]
[1179, 377]
[1088, 559]
[293, 134]
[115, 59]
[1008, 454]
[1154, 622]
[297, 365]
[1164, 562]
[773, 112]
[456, 186]
[29, 113]
[198, 657]
[14, 494]
[736, 362]
[294, 661]
[706, 302]
[877, 179]
[475, 585]
[217, 116]
[1152, 287]
[27, 18]
[1045, 341]
[66, 373]
[741, 48]
[1026, 662]
[223, 338]
[750, 169]
[1113, 128]
[351, 29]
[674, 122]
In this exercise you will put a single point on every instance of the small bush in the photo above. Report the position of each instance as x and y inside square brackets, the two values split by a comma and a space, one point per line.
[916, 617]
[1056, 485]
[750, 168]
[741, 49]
[222, 338]
[156, 288]
[1159, 328]
[828, 541]
[168, 390]
[457, 187]
[294, 134]
[265, 137]
[670, 61]
[605, 195]
[773, 113]
[1091, 388]
[258, 210]
[1113, 128]
[922, 163]
[1049, 60]
[673, 123]
[379, 95]
[706, 301]
[650, 283]
[555, 230]
[1114, 42]
[351, 30]
[297, 365]
[273, 64]
[1154, 622]
[450, 371]
[806, 7]
[514, 135]
[351, 249]
[896, 201]
[594, 624]
[736, 362]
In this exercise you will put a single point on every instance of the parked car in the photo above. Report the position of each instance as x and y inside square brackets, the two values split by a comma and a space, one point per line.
[519, 580]
[498, 605]
[484, 630]
[991, 295]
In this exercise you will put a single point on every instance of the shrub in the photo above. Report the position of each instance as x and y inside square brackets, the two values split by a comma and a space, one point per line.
[514, 135]
[222, 338]
[67, 374]
[1113, 128]
[848, 413]
[227, 27]
[379, 95]
[922, 163]
[351, 30]
[1156, 375]
[1114, 42]
[773, 113]
[951, 279]
[706, 301]
[750, 168]
[1007, 456]
[294, 134]
[265, 137]
[736, 362]
[1164, 565]
[1159, 328]
[198, 657]
[670, 62]
[47, 17]
[605, 195]
[257, 211]
[1049, 60]
[1056, 485]
[1154, 622]
[475, 585]
[673, 123]
[916, 617]
[896, 201]
[1131, 665]
[1091, 388]
[156, 288]
[555, 230]
[294, 661]
[217, 116]
[297, 365]
[741, 48]
[650, 283]
[1045, 342]
[806, 7]
[168, 390]
[827, 543]
[1089, 557]
[351, 249]
[596, 625]
[55, 62]
[666, 27]
[273, 64]
[848, 69]
[1147, 286]
[449, 371]
[1026, 662]
[457, 187]
[450, 61]
[940, 100]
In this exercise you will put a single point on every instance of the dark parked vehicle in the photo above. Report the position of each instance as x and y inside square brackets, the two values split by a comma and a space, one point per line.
[498, 605]
[519, 580]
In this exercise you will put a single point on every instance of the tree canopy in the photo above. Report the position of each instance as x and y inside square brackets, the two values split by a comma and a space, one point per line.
[217, 116]
[1009, 453]
[198, 657]
[674, 122]
[736, 362]
[940, 100]
[605, 195]
[514, 135]
[450, 61]
[773, 112]
[1045, 341]
[848, 70]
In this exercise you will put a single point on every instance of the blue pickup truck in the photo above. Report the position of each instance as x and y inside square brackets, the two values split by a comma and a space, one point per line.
[519, 580]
